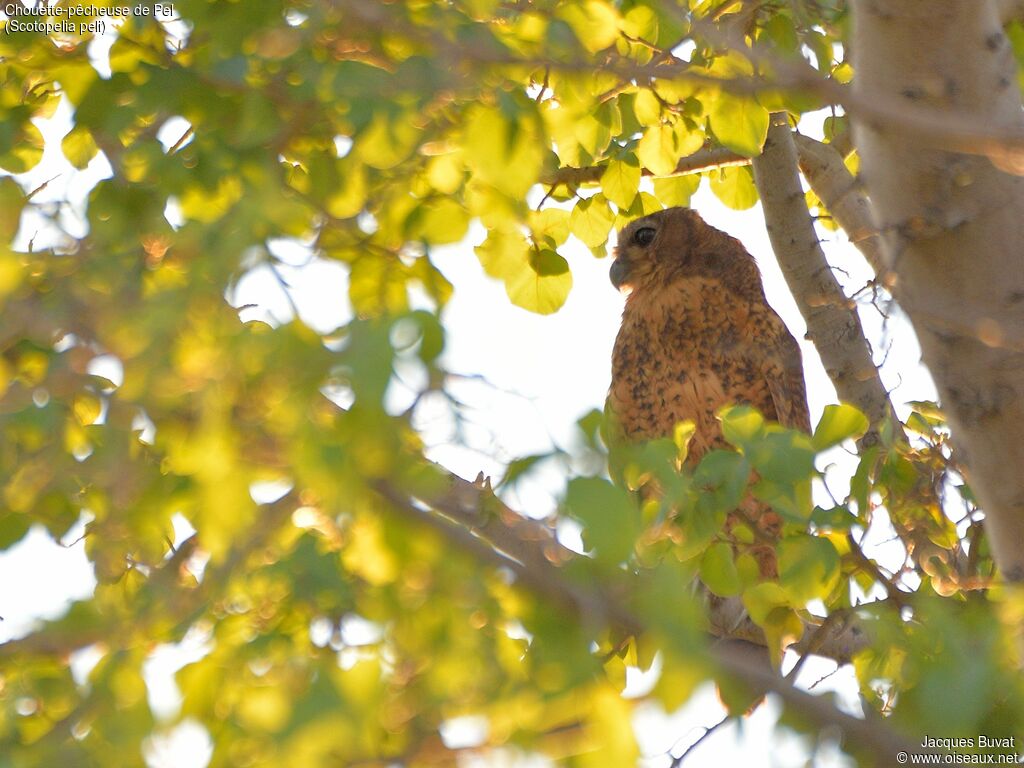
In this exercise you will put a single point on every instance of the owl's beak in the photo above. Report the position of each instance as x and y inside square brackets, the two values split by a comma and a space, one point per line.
[619, 272]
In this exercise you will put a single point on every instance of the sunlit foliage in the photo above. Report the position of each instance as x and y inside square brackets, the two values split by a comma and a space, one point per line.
[346, 621]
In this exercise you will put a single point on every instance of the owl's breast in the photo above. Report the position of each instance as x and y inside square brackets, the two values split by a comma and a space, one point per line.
[678, 357]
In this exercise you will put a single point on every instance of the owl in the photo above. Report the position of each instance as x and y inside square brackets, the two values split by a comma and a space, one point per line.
[697, 334]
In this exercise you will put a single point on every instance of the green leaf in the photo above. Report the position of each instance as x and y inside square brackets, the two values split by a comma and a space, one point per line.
[808, 568]
[761, 599]
[721, 479]
[718, 571]
[741, 424]
[621, 180]
[838, 423]
[734, 186]
[12, 201]
[609, 517]
[591, 220]
[836, 518]
[783, 455]
[24, 152]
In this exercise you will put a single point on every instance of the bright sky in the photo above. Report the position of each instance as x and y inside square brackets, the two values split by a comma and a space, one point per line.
[538, 376]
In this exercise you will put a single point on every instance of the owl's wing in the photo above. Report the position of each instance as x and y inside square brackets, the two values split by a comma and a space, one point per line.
[784, 373]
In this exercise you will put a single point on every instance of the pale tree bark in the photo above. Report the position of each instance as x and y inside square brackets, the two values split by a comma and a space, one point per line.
[953, 226]
[832, 321]
[839, 190]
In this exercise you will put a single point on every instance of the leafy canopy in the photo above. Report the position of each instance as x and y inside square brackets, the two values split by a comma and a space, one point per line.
[374, 133]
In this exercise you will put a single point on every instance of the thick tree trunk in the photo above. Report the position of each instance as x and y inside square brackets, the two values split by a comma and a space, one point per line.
[953, 231]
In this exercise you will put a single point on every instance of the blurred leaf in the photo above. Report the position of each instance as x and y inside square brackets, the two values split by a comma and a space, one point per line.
[718, 571]
[838, 423]
[595, 22]
[808, 568]
[79, 147]
[608, 514]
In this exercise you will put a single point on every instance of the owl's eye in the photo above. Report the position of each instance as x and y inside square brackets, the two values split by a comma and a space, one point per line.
[644, 236]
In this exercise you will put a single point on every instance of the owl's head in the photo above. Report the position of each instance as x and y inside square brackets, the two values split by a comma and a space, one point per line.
[675, 242]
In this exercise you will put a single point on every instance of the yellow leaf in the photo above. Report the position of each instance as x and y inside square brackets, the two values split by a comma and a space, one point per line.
[79, 147]
[502, 253]
[735, 187]
[25, 151]
[348, 199]
[209, 205]
[446, 172]
[662, 146]
[367, 554]
[647, 108]
[550, 225]
[641, 22]
[87, 408]
[11, 274]
[264, 708]
[676, 190]
[544, 286]
[739, 122]
[441, 221]
[503, 151]
[610, 726]
[591, 220]
[387, 140]
[596, 23]
[621, 180]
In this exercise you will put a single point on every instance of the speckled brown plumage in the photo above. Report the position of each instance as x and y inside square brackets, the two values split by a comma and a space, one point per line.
[697, 334]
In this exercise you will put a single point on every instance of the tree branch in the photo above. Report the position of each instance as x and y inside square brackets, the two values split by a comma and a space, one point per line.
[551, 583]
[827, 175]
[832, 321]
[961, 131]
[475, 507]
[702, 160]
[1010, 10]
